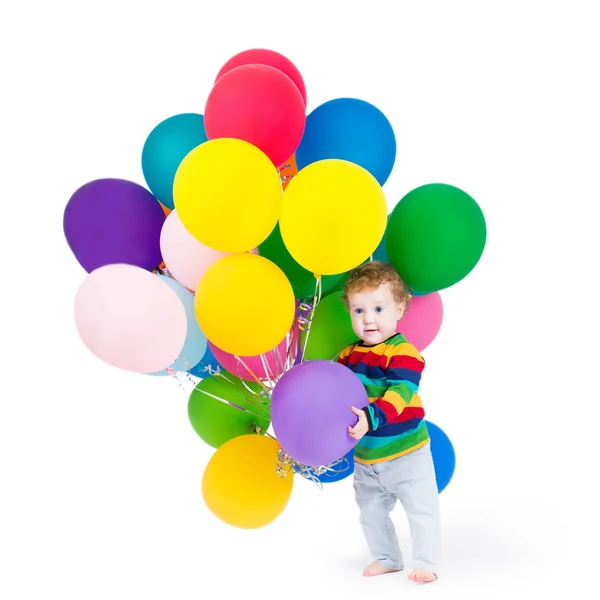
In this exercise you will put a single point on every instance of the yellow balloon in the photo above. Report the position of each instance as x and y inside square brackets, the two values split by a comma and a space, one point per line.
[333, 216]
[240, 484]
[245, 304]
[228, 194]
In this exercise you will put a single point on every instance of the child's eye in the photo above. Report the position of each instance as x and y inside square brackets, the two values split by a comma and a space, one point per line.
[379, 309]
[358, 311]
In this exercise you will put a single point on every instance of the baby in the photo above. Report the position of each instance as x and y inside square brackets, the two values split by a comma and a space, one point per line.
[393, 455]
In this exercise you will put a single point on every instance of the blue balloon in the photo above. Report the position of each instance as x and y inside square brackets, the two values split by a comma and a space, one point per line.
[195, 340]
[166, 146]
[208, 360]
[444, 458]
[352, 130]
[339, 471]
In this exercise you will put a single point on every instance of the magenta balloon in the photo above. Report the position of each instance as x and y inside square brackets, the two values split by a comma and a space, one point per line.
[423, 320]
[310, 411]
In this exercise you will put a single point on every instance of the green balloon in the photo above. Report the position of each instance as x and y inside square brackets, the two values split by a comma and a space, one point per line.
[216, 421]
[303, 281]
[339, 286]
[435, 236]
[330, 330]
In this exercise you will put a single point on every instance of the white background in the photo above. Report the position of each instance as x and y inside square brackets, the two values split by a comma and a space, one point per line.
[100, 470]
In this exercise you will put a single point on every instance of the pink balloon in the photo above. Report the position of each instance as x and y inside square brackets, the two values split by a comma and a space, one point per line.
[254, 363]
[130, 318]
[422, 320]
[185, 257]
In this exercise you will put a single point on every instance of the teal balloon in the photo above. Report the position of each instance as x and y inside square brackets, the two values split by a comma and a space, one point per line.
[166, 146]
[195, 341]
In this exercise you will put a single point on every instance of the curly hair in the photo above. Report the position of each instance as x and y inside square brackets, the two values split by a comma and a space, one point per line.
[374, 273]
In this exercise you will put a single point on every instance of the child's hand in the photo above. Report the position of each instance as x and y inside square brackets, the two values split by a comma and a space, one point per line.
[361, 427]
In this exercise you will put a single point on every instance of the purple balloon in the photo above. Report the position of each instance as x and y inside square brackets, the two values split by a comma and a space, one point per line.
[110, 221]
[310, 411]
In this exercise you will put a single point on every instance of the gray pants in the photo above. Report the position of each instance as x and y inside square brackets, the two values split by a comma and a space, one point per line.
[410, 479]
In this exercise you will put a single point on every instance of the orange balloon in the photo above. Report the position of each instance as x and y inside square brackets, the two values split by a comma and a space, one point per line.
[241, 485]
[288, 170]
[166, 210]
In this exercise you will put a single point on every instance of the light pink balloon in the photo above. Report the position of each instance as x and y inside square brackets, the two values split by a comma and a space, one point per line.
[185, 257]
[130, 318]
[274, 360]
[423, 320]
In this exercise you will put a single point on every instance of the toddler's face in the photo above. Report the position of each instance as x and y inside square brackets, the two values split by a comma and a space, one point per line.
[374, 314]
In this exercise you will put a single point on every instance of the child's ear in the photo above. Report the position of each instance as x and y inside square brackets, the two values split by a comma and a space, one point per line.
[401, 308]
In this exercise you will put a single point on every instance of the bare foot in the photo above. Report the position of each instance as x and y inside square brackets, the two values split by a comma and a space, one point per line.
[377, 569]
[422, 575]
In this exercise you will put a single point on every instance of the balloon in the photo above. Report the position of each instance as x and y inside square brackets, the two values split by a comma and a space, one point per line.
[435, 237]
[444, 458]
[186, 258]
[330, 330]
[380, 253]
[164, 149]
[195, 344]
[110, 221]
[422, 321]
[199, 370]
[241, 486]
[258, 104]
[275, 361]
[262, 56]
[130, 318]
[350, 129]
[310, 411]
[303, 281]
[340, 471]
[224, 304]
[230, 210]
[345, 221]
[220, 408]
[287, 171]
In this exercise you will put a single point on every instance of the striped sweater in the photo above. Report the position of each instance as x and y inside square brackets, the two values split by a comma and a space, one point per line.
[391, 373]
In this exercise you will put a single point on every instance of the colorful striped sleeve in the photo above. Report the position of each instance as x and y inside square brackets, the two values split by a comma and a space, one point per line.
[345, 355]
[403, 376]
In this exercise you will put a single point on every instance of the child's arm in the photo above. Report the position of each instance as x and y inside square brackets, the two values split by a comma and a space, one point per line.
[403, 376]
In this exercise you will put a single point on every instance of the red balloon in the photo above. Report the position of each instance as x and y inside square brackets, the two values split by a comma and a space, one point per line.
[258, 104]
[262, 56]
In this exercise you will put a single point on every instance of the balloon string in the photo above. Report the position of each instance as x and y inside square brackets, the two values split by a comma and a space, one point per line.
[271, 378]
[308, 320]
[233, 405]
[256, 394]
[280, 364]
[291, 348]
[254, 375]
[285, 464]
[184, 378]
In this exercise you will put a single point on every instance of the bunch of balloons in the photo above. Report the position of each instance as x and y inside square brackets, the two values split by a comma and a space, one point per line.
[226, 269]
